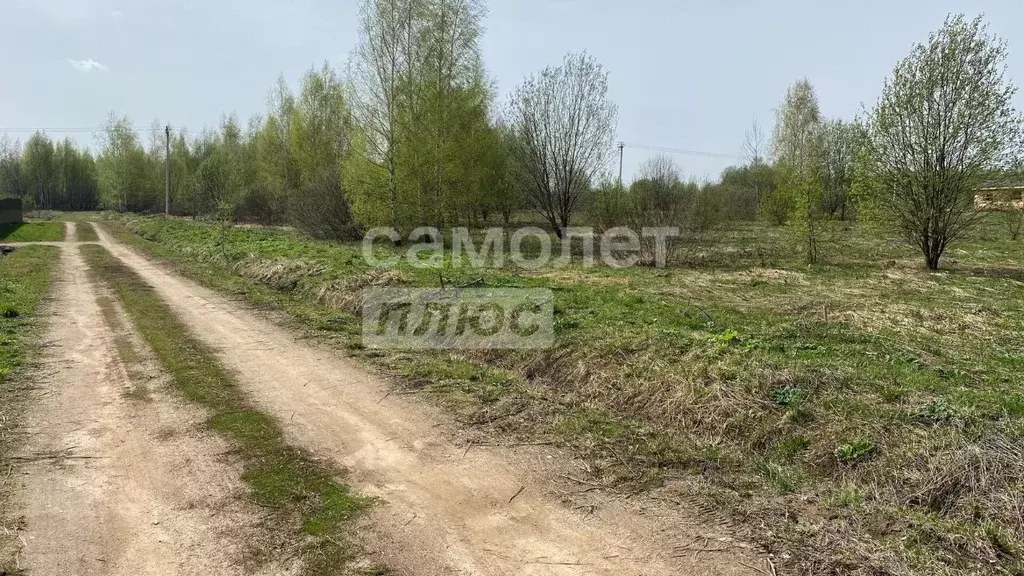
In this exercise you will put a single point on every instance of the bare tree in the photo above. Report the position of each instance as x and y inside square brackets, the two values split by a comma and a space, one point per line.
[944, 119]
[1013, 219]
[661, 169]
[754, 145]
[659, 189]
[565, 127]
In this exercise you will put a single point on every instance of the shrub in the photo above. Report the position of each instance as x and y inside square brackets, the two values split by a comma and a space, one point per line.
[260, 205]
[777, 207]
[321, 210]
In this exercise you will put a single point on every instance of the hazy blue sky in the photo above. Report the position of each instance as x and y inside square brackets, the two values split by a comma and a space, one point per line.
[690, 75]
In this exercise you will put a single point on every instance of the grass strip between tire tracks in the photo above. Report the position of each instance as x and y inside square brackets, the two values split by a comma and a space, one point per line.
[300, 490]
[85, 232]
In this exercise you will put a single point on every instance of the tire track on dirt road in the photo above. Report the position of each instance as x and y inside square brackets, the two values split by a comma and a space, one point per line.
[446, 512]
[110, 485]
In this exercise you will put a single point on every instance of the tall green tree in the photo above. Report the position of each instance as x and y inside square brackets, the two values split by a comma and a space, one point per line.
[456, 98]
[76, 183]
[423, 106]
[12, 183]
[127, 174]
[48, 175]
[320, 140]
[382, 70]
[39, 169]
[796, 147]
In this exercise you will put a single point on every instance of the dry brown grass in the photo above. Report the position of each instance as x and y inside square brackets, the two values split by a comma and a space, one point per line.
[306, 278]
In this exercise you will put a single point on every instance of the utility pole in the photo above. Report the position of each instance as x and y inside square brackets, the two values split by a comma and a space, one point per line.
[622, 147]
[167, 171]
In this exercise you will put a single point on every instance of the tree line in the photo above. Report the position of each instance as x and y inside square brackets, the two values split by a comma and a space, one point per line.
[411, 135]
[48, 175]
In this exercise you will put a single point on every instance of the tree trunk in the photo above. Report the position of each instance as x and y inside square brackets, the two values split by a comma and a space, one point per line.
[393, 195]
[932, 253]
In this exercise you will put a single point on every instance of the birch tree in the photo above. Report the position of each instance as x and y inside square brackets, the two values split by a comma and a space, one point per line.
[455, 98]
[382, 68]
[796, 146]
[321, 138]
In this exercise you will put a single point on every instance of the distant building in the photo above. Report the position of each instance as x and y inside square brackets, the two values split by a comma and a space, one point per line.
[996, 195]
[10, 210]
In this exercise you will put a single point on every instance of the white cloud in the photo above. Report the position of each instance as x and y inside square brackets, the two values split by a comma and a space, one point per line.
[89, 65]
[116, 14]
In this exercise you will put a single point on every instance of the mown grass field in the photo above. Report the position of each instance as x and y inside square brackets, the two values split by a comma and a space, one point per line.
[857, 416]
[25, 279]
[32, 232]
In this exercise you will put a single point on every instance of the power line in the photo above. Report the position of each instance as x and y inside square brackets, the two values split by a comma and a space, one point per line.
[87, 129]
[79, 129]
[685, 152]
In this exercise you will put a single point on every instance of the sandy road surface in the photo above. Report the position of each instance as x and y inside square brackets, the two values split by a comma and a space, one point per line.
[445, 511]
[108, 484]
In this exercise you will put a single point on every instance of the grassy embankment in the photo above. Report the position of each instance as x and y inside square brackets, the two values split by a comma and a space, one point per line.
[32, 232]
[860, 415]
[302, 494]
[25, 278]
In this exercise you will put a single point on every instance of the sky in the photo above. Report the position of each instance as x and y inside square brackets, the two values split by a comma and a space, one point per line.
[685, 75]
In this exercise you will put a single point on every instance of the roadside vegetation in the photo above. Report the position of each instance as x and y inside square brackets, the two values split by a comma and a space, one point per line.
[864, 411]
[25, 279]
[299, 492]
[32, 232]
[832, 355]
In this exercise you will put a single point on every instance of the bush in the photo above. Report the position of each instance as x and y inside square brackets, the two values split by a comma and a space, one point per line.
[321, 210]
[705, 211]
[738, 203]
[607, 207]
[1013, 220]
[695, 210]
[260, 205]
[777, 207]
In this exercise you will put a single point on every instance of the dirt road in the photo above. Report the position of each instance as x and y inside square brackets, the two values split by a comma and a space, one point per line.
[446, 511]
[114, 476]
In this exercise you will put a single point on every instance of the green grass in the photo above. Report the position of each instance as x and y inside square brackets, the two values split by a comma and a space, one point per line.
[57, 215]
[85, 232]
[32, 232]
[301, 492]
[865, 409]
[25, 279]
